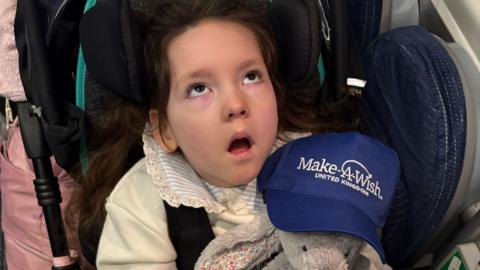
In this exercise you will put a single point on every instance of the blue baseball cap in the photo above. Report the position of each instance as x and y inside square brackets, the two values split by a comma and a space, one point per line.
[338, 182]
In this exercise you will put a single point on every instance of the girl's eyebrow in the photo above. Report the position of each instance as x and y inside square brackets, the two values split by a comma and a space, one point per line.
[249, 62]
[203, 72]
[198, 73]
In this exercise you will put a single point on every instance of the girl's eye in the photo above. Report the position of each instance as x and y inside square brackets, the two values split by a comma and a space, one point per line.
[251, 77]
[197, 90]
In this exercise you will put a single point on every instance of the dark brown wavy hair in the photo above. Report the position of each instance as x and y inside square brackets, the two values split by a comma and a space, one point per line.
[115, 141]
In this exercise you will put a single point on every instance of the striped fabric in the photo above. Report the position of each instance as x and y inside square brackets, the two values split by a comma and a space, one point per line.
[175, 177]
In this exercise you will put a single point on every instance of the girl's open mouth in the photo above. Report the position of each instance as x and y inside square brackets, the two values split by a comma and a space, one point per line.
[238, 146]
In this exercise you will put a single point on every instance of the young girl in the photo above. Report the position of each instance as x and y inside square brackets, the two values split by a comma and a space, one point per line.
[217, 108]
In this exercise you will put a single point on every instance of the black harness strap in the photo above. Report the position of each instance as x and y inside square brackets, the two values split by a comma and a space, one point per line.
[190, 232]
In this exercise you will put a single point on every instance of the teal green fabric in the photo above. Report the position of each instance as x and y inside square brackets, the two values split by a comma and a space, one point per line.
[81, 69]
[80, 94]
[321, 69]
[80, 81]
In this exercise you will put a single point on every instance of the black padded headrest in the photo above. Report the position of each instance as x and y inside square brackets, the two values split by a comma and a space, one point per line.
[112, 48]
[297, 29]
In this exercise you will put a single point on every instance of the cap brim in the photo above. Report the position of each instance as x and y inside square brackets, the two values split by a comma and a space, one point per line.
[286, 209]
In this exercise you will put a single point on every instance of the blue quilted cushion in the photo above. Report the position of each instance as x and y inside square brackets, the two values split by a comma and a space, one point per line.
[414, 102]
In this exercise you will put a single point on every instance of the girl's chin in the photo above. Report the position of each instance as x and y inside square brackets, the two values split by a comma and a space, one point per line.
[233, 182]
[245, 180]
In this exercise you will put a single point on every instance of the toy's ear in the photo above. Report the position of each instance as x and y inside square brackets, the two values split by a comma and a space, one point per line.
[361, 263]
[353, 246]
[352, 255]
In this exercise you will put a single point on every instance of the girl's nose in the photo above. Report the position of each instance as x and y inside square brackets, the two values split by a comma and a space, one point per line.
[235, 106]
[237, 112]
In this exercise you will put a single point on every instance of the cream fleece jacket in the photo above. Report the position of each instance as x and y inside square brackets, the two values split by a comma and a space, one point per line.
[135, 234]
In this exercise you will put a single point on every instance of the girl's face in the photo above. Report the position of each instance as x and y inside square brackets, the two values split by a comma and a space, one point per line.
[222, 110]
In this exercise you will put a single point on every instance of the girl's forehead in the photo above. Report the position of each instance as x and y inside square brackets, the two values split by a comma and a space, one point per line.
[212, 45]
[209, 34]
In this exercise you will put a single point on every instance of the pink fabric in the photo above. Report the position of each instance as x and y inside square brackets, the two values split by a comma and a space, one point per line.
[62, 261]
[10, 83]
[26, 240]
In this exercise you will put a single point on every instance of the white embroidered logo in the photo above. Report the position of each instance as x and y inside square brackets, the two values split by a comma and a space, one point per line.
[352, 174]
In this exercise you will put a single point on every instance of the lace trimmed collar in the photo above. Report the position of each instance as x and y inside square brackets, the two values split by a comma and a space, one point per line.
[178, 184]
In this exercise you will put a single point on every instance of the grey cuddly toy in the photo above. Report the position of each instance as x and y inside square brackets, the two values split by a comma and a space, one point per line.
[252, 246]
[319, 250]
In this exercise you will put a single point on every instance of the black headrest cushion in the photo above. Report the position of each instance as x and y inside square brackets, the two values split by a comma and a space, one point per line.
[112, 48]
[297, 28]
[113, 53]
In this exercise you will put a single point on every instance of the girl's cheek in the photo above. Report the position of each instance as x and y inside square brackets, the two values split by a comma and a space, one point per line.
[258, 86]
[201, 102]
